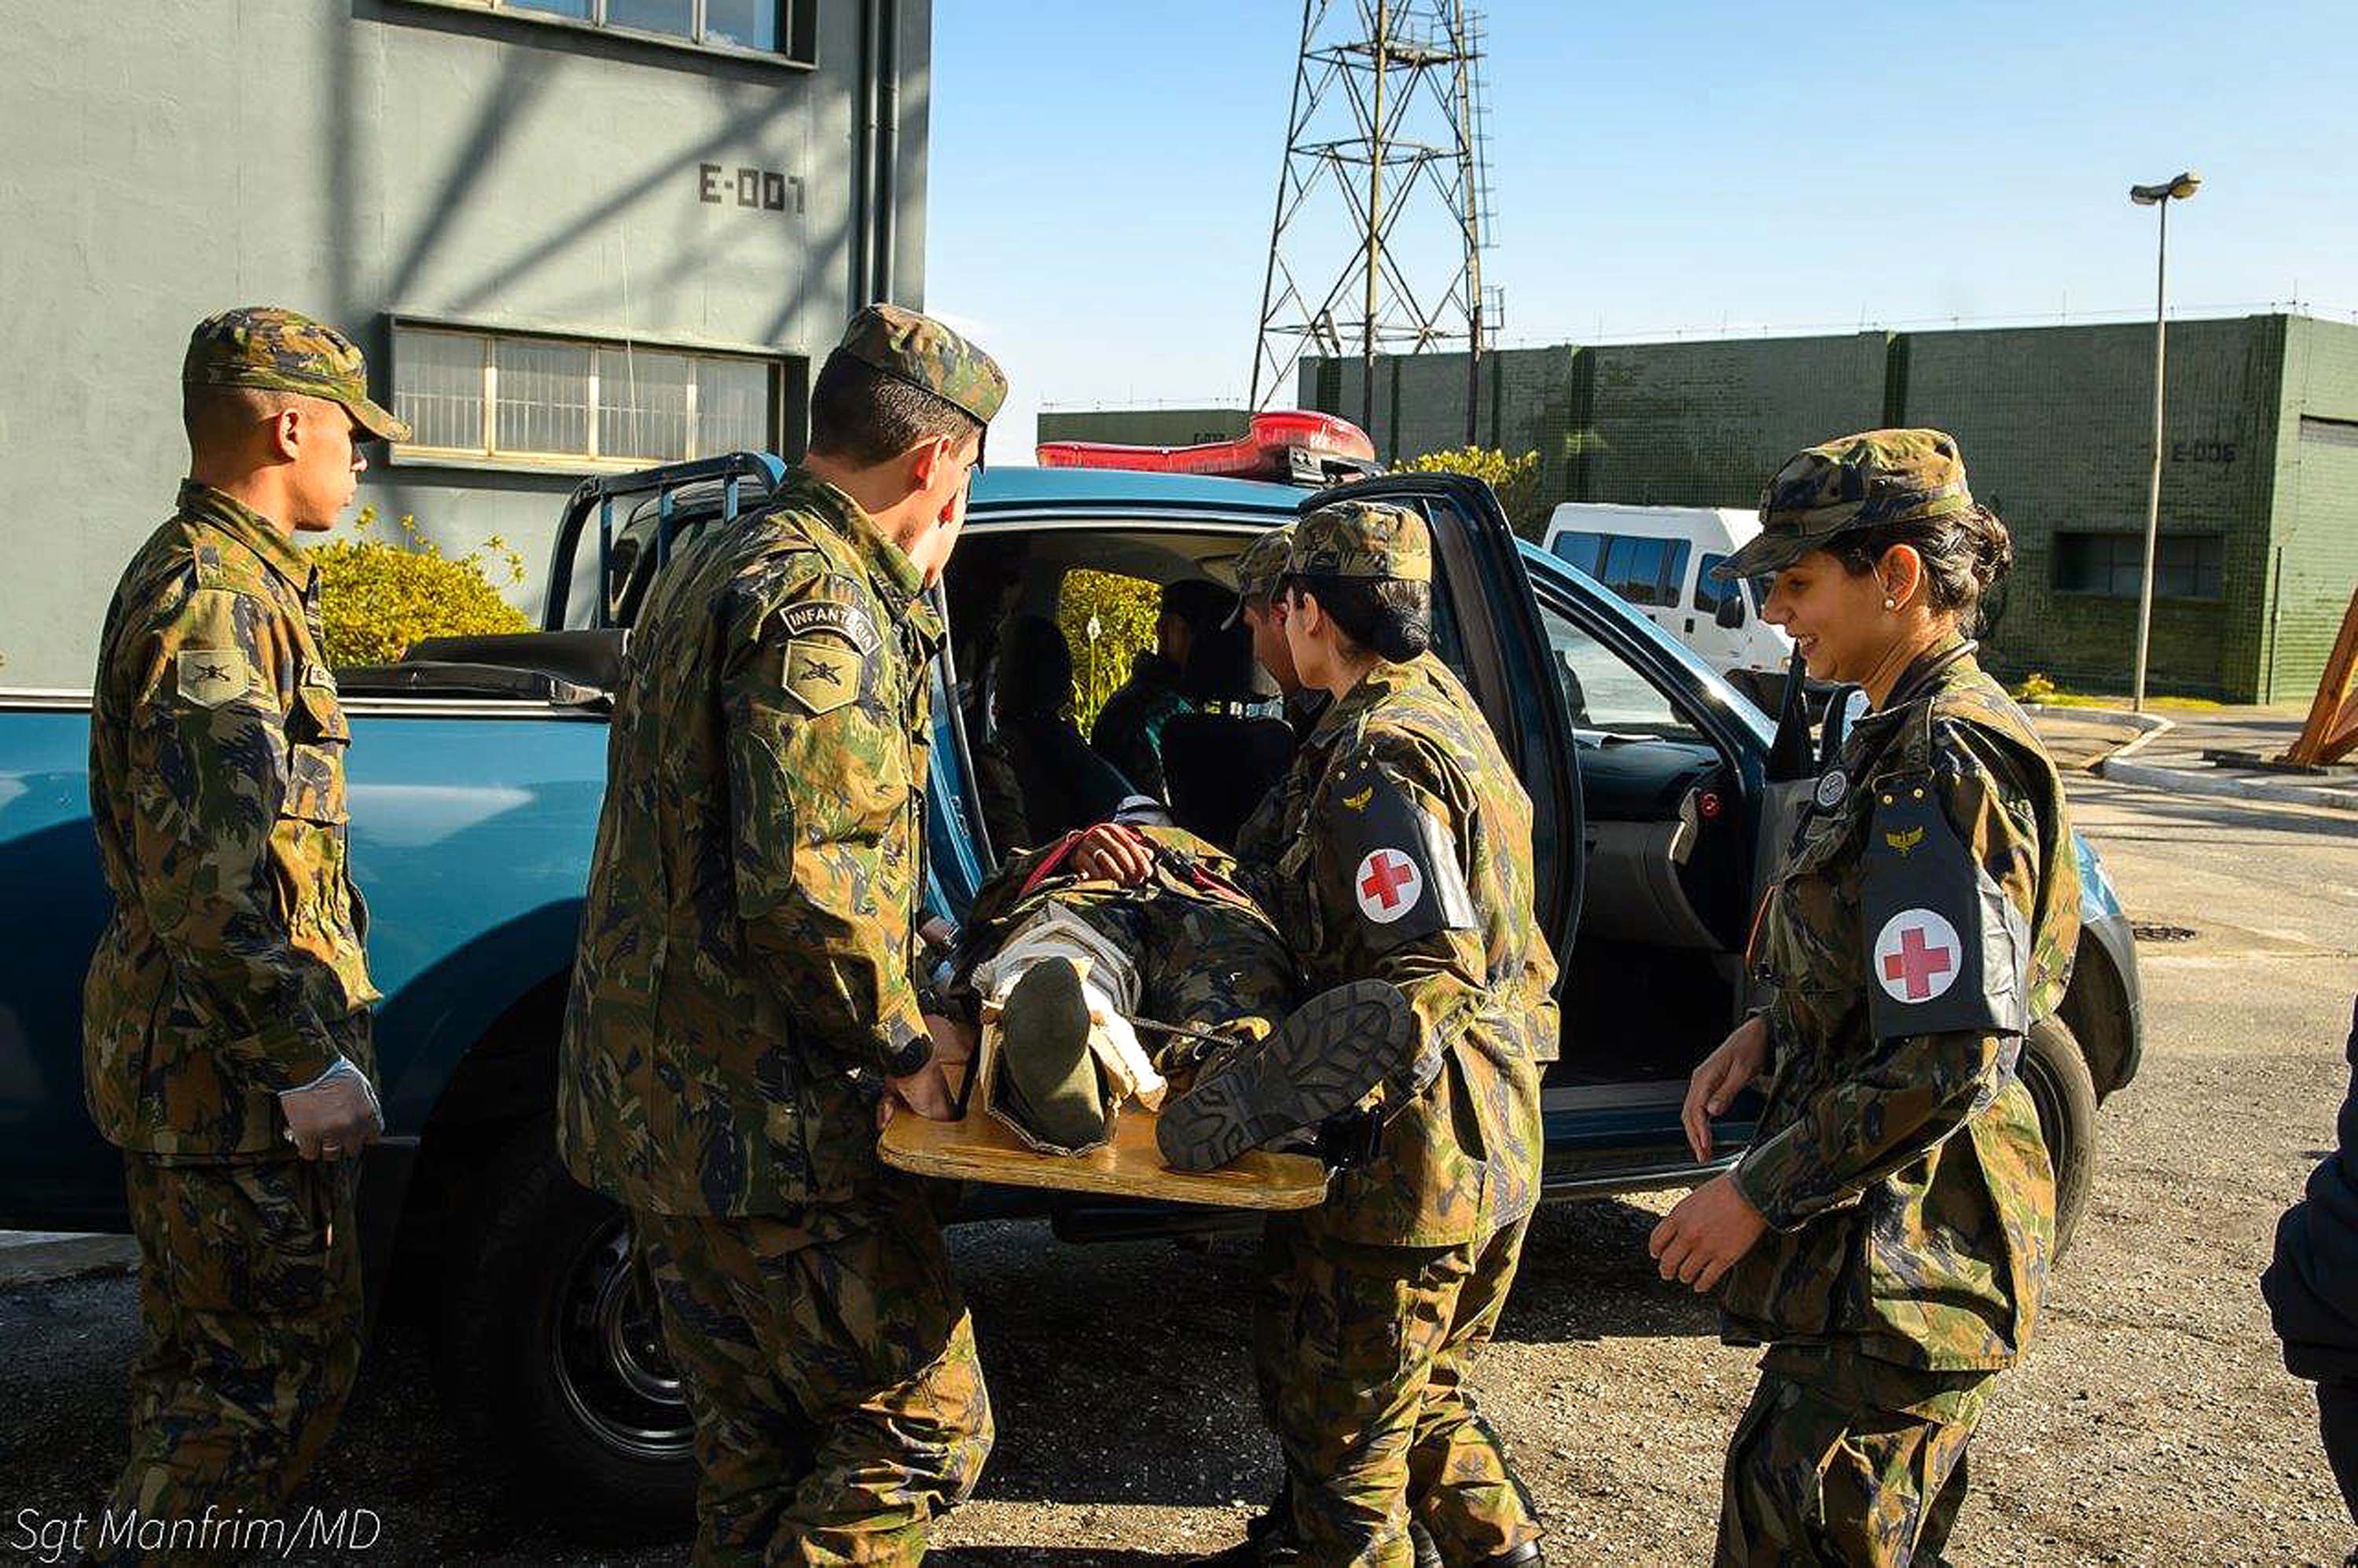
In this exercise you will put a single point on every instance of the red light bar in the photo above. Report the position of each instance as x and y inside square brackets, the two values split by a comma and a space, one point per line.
[1272, 446]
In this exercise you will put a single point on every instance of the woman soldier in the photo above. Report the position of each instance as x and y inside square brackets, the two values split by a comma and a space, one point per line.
[1887, 1234]
[1406, 857]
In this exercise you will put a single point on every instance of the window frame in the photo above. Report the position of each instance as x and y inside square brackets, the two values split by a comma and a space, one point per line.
[491, 456]
[2065, 541]
[798, 31]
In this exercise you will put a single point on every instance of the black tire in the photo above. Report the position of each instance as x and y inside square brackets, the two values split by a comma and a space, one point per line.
[550, 1342]
[2055, 1070]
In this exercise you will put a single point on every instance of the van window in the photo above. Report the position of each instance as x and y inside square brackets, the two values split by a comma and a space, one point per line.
[1645, 571]
[1709, 592]
[1583, 550]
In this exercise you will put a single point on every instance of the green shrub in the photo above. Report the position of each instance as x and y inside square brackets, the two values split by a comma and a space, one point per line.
[1107, 619]
[378, 596]
[1516, 480]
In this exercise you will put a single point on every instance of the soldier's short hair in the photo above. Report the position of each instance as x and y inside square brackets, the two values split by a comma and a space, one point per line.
[215, 414]
[859, 414]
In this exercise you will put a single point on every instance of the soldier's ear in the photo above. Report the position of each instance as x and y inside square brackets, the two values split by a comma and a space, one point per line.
[1901, 570]
[284, 432]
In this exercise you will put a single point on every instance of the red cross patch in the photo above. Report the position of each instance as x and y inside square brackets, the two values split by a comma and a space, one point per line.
[1388, 885]
[1918, 955]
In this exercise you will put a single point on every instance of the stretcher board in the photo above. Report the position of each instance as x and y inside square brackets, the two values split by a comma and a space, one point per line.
[981, 1148]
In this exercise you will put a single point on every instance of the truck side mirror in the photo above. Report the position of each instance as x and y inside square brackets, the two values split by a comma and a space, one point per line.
[1731, 610]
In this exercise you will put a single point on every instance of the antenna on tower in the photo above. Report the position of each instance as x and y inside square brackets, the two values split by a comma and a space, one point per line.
[1383, 200]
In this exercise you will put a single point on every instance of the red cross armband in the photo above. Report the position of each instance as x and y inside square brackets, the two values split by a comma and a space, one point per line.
[1946, 949]
[1401, 863]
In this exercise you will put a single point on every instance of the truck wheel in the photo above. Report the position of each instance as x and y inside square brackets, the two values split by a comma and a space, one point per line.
[2055, 1070]
[549, 1335]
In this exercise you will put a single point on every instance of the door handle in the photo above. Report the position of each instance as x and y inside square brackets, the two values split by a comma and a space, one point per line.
[1690, 625]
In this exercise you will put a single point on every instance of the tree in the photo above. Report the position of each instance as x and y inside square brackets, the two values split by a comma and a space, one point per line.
[1516, 480]
[377, 597]
[1107, 619]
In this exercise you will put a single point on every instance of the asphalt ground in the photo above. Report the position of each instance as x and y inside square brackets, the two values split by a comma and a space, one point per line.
[2152, 1423]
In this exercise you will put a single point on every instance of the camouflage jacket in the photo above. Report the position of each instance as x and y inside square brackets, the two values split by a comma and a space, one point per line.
[232, 965]
[745, 975]
[1405, 855]
[1128, 728]
[1902, 1174]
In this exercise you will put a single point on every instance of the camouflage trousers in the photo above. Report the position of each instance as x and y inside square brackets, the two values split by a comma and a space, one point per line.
[1843, 1458]
[1362, 1355]
[250, 1323]
[830, 1370]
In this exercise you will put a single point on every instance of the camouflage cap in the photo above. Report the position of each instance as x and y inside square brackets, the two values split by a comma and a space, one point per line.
[1258, 570]
[927, 355]
[272, 350]
[1363, 538]
[1839, 487]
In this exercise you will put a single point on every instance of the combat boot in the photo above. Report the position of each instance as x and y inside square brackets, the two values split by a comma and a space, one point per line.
[1319, 1063]
[1048, 1074]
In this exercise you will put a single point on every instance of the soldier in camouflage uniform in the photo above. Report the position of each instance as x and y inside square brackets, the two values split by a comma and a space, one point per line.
[1404, 855]
[1258, 571]
[225, 1021]
[744, 997]
[1888, 1235]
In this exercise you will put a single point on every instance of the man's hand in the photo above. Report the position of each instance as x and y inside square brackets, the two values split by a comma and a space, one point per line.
[1700, 1239]
[953, 1041]
[1720, 1079]
[334, 1120]
[925, 1091]
[1115, 853]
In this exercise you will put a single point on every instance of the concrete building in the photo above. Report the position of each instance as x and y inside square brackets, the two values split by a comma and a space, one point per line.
[2259, 505]
[1141, 426]
[571, 235]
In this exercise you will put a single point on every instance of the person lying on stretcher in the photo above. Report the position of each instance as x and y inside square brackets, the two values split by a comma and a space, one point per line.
[1179, 993]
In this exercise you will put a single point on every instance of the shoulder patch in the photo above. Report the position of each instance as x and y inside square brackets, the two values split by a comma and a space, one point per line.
[847, 620]
[1945, 946]
[1404, 877]
[210, 676]
[829, 644]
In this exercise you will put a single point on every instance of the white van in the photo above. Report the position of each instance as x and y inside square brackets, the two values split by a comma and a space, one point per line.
[1660, 559]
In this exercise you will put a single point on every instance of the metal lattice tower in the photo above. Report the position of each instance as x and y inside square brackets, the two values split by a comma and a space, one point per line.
[1384, 207]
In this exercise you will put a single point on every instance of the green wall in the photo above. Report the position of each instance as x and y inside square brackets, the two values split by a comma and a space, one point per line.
[2260, 451]
[1142, 426]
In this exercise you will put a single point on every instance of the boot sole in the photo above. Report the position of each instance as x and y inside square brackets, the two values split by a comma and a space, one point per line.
[1319, 1063]
[1045, 1021]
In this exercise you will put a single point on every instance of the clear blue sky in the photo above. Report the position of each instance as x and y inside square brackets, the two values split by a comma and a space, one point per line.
[1102, 173]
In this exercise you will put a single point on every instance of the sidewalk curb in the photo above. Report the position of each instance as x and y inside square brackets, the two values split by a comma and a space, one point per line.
[2143, 727]
[2185, 781]
[43, 1258]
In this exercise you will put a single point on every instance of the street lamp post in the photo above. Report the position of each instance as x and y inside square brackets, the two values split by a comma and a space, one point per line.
[2158, 197]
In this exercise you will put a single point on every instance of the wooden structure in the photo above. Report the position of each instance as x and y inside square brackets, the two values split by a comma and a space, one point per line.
[2332, 727]
[979, 1147]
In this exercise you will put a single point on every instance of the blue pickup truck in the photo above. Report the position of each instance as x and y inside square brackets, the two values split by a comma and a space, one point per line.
[476, 772]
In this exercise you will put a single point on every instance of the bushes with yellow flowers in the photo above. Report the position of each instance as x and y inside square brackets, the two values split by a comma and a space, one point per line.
[1517, 480]
[379, 596]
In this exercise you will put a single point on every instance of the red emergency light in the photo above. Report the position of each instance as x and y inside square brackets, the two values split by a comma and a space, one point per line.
[1293, 444]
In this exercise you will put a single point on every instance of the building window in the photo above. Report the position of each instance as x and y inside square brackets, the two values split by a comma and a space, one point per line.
[493, 397]
[762, 24]
[2185, 566]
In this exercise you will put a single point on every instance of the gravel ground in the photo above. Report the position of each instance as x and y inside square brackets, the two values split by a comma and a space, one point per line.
[2154, 1422]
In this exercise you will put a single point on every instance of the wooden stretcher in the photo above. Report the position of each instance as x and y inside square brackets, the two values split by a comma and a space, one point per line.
[981, 1148]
